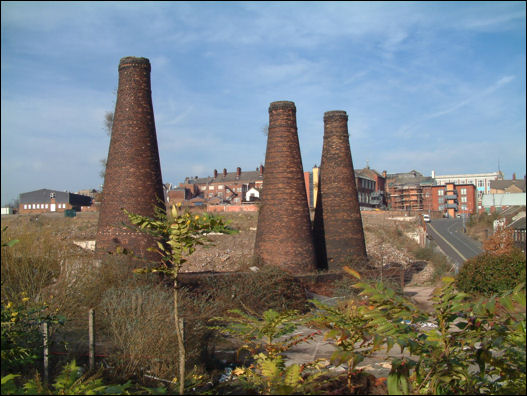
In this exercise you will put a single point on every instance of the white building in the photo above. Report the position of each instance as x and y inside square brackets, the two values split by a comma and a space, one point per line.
[7, 211]
[480, 180]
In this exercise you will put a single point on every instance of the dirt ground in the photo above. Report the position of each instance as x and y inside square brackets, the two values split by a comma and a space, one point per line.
[384, 233]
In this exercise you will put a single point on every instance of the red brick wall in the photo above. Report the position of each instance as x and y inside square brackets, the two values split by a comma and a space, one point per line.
[337, 228]
[133, 172]
[284, 237]
[42, 208]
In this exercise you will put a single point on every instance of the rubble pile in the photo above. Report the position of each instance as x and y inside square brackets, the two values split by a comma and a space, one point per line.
[383, 252]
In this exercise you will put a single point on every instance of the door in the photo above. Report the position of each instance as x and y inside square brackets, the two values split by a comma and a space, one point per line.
[53, 207]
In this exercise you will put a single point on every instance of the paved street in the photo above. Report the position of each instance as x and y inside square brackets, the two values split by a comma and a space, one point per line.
[449, 235]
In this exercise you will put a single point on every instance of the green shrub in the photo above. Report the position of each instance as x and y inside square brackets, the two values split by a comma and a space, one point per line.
[21, 337]
[489, 273]
[71, 381]
[425, 253]
[475, 346]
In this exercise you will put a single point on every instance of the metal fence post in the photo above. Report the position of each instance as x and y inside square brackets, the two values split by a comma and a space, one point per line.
[91, 336]
[45, 336]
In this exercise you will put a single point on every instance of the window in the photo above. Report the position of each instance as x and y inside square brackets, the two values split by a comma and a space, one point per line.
[220, 187]
[481, 183]
[220, 194]
[463, 207]
[210, 195]
[33, 206]
[463, 191]
[211, 187]
[463, 199]
[440, 200]
[440, 192]
[25, 206]
[46, 206]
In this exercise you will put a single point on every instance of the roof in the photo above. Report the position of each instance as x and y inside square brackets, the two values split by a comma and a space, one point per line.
[518, 224]
[498, 200]
[503, 184]
[43, 196]
[409, 179]
[468, 175]
[372, 173]
[231, 177]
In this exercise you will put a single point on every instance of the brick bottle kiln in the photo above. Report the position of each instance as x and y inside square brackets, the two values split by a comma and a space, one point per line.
[133, 172]
[284, 235]
[338, 232]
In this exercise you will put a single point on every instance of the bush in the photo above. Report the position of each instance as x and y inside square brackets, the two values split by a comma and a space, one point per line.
[425, 253]
[473, 346]
[21, 336]
[488, 273]
[255, 292]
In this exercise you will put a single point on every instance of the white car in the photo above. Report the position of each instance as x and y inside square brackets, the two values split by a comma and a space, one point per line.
[426, 218]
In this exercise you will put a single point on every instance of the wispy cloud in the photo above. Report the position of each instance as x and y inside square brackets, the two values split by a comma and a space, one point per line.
[406, 73]
[407, 131]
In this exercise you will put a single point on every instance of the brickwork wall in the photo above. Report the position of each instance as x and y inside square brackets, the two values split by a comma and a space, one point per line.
[284, 235]
[338, 232]
[133, 172]
[233, 208]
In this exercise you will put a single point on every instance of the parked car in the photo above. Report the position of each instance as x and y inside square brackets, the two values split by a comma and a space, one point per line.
[426, 218]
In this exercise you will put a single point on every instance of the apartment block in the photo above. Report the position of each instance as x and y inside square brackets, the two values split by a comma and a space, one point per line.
[450, 200]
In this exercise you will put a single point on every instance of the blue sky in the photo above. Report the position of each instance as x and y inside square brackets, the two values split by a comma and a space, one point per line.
[427, 86]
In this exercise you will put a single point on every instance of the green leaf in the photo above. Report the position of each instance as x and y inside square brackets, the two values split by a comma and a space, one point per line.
[397, 385]
[292, 375]
[12, 242]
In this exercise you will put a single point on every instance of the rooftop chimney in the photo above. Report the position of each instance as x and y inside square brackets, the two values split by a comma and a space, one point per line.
[514, 176]
[384, 174]
[238, 172]
[338, 232]
[284, 236]
[133, 172]
[261, 170]
[215, 173]
[224, 172]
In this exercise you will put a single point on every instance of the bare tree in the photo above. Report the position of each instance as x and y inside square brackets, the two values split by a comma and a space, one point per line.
[265, 129]
[108, 122]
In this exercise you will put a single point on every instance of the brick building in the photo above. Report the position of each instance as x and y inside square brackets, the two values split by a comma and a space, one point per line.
[368, 191]
[450, 199]
[229, 187]
[377, 196]
[507, 186]
[404, 191]
[45, 200]
[482, 181]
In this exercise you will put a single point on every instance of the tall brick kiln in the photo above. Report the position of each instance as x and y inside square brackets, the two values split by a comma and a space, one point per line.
[284, 235]
[337, 229]
[133, 172]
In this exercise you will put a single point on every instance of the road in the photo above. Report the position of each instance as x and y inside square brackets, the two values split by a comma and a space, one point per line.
[449, 236]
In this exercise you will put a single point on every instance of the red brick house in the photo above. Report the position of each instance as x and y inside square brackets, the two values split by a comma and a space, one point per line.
[227, 187]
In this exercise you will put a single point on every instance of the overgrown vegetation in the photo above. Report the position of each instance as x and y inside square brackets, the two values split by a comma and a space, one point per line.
[498, 269]
[471, 344]
[474, 347]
